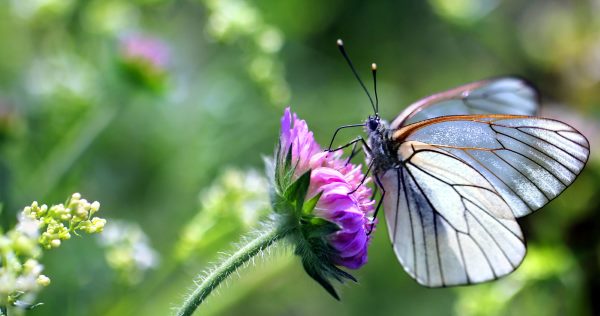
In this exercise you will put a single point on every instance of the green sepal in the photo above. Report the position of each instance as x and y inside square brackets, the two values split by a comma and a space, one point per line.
[296, 192]
[317, 227]
[317, 276]
[284, 171]
[309, 205]
[279, 203]
[312, 246]
[288, 194]
[288, 158]
[315, 254]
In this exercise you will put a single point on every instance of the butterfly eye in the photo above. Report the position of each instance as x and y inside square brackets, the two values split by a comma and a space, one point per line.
[373, 123]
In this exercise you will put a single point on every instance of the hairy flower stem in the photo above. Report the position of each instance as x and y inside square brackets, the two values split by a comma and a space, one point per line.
[262, 241]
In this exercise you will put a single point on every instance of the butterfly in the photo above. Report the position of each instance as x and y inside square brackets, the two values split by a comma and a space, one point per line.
[456, 170]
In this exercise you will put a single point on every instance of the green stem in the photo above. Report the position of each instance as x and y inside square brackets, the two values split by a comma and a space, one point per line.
[262, 241]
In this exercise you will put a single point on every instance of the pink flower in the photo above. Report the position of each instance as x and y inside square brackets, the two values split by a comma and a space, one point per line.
[147, 50]
[306, 153]
[336, 181]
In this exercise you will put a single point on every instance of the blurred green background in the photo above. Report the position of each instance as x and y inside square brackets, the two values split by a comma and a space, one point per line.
[162, 110]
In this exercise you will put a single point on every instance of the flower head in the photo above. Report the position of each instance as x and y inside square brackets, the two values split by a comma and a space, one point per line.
[128, 251]
[145, 60]
[145, 49]
[324, 192]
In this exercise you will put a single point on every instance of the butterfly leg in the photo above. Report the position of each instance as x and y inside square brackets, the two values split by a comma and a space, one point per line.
[375, 190]
[358, 139]
[339, 129]
[355, 150]
[378, 204]
[363, 179]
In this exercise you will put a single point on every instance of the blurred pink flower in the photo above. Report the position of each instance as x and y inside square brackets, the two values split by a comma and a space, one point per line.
[146, 49]
[335, 180]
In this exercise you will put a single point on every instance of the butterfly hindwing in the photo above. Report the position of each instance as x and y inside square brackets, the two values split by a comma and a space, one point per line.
[505, 95]
[447, 224]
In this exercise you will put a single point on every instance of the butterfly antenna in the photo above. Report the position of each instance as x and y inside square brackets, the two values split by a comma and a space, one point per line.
[340, 45]
[374, 71]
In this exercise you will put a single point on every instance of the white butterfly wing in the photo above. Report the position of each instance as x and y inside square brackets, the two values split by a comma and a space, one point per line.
[451, 204]
[447, 224]
[507, 95]
[528, 160]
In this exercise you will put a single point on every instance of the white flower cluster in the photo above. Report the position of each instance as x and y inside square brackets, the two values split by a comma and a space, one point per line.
[128, 250]
[20, 270]
[21, 247]
[60, 220]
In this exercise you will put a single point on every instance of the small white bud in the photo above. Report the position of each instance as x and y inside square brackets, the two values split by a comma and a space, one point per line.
[81, 213]
[43, 280]
[98, 222]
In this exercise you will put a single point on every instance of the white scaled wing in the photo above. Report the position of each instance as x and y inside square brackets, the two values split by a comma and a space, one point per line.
[447, 223]
[528, 160]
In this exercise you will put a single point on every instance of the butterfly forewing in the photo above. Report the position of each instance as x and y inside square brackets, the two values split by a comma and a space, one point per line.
[528, 160]
[507, 95]
[447, 224]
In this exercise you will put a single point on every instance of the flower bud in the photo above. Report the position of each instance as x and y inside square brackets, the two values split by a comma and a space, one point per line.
[43, 280]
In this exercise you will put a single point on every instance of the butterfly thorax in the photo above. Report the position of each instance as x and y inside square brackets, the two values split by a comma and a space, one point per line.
[382, 147]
